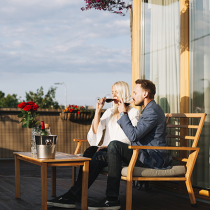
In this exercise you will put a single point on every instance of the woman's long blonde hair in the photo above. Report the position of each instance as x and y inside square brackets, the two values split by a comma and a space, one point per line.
[123, 91]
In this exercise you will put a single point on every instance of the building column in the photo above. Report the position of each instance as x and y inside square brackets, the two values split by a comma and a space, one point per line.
[136, 42]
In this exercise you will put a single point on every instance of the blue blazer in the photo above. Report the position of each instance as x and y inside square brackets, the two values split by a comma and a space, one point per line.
[151, 130]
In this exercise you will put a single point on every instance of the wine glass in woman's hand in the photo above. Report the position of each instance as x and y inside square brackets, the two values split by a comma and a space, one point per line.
[108, 98]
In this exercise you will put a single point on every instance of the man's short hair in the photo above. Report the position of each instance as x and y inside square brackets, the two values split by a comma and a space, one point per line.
[148, 86]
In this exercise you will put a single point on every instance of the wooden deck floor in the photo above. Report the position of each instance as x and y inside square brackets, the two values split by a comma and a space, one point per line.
[154, 199]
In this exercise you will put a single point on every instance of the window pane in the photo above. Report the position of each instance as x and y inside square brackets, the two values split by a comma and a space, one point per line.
[200, 83]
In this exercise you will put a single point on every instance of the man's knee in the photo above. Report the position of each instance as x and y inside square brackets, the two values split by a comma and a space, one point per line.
[114, 146]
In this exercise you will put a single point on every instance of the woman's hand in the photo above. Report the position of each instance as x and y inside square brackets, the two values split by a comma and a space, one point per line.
[96, 120]
[100, 104]
[101, 147]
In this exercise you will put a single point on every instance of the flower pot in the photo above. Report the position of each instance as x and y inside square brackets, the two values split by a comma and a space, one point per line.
[75, 117]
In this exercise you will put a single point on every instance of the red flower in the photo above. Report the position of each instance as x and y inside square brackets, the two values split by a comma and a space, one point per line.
[75, 106]
[35, 107]
[78, 112]
[71, 110]
[30, 103]
[22, 105]
[27, 108]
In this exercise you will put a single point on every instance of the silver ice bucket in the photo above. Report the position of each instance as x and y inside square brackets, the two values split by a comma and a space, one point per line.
[46, 146]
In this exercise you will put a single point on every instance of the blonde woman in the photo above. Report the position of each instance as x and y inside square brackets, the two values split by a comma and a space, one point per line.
[120, 91]
[108, 121]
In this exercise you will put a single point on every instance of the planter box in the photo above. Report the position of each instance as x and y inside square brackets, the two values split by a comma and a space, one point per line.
[74, 117]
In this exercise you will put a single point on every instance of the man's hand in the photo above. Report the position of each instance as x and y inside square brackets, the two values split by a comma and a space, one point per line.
[122, 107]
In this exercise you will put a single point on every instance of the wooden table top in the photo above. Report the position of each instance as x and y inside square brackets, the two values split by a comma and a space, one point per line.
[59, 157]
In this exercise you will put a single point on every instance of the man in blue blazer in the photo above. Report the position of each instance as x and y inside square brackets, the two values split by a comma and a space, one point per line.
[150, 131]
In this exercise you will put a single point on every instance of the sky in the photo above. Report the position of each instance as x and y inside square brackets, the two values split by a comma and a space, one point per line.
[54, 41]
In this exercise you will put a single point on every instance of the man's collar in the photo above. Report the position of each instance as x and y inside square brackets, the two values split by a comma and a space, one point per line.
[148, 105]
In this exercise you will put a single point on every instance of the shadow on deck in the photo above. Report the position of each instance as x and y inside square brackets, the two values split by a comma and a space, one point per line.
[154, 199]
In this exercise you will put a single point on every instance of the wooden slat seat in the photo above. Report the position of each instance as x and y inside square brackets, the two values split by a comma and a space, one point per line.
[185, 146]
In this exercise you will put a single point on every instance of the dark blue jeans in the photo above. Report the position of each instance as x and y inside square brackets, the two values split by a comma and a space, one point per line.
[116, 155]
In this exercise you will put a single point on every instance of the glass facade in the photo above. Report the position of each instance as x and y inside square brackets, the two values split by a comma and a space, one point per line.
[160, 63]
[160, 54]
[200, 84]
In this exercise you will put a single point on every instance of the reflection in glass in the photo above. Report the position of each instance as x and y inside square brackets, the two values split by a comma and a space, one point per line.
[200, 83]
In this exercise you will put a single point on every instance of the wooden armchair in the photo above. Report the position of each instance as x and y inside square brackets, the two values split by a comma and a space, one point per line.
[184, 151]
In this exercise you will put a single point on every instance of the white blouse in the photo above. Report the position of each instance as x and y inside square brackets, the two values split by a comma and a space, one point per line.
[113, 130]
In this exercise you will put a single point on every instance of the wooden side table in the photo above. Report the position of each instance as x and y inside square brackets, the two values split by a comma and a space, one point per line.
[61, 159]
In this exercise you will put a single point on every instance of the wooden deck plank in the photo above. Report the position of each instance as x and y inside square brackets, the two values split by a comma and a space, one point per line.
[31, 191]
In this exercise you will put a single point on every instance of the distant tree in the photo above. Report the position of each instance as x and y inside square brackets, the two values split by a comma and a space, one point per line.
[10, 101]
[44, 101]
[2, 94]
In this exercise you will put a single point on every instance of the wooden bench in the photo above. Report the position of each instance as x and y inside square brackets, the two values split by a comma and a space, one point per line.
[182, 128]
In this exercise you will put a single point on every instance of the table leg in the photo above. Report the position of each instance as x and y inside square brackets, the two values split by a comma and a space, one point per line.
[44, 186]
[53, 181]
[85, 172]
[17, 177]
[73, 175]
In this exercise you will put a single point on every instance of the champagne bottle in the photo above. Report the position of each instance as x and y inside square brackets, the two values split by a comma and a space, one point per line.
[43, 132]
[47, 128]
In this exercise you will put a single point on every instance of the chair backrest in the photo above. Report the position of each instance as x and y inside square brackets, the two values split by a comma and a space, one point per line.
[184, 129]
[192, 122]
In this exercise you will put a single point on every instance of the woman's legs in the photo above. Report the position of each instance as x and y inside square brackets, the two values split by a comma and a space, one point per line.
[90, 151]
[99, 160]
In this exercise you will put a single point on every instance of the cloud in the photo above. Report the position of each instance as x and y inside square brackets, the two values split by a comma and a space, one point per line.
[55, 35]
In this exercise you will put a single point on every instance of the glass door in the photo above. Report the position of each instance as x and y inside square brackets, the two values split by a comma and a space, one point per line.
[200, 84]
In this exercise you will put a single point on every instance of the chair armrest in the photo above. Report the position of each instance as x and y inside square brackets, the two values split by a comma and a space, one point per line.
[80, 140]
[79, 143]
